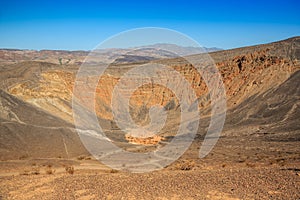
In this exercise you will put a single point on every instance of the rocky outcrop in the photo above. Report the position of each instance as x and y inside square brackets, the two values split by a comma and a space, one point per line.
[53, 93]
[154, 140]
[245, 72]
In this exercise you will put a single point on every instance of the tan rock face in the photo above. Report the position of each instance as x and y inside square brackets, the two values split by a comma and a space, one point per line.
[243, 76]
[53, 84]
[53, 93]
[253, 73]
[154, 140]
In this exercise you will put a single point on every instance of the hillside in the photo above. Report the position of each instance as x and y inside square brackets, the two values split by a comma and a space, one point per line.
[256, 157]
[248, 73]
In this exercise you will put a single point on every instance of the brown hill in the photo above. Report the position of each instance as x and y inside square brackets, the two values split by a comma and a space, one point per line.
[256, 157]
[259, 92]
[29, 132]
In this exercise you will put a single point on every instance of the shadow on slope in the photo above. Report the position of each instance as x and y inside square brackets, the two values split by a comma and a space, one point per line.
[276, 110]
[27, 131]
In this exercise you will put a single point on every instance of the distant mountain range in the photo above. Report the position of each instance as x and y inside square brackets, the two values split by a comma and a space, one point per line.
[111, 55]
[181, 50]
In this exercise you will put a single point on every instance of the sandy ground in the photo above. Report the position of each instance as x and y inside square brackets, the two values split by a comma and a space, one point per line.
[258, 169]
[224, 183]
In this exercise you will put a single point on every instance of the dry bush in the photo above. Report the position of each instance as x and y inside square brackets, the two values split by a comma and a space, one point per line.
[248, 164]
[88, 158]
[25, 172]
[186, 165]
[70, 169]
[49, 170]
[80, 157]
[114, 171]
[35, 171]
[23, 157]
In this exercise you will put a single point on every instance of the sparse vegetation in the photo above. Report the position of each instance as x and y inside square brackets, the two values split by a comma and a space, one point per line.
[33, 171]
[49, 170]
[88, 158]
[186, 165]
[114, 171]
[82, 157]
[70, 169]
[248, 164]
[25, 172]
[23, 157]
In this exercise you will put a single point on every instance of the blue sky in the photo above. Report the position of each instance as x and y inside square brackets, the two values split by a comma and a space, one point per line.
[82, 25]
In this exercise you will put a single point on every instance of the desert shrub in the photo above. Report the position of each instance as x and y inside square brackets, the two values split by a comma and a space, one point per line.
[114, 171]
[25, 172]
[49, 170]
[23, 157]
[80, 157]
[248, 164]
[70, 169]
[88, 158]
[35, 171]
[186, 165]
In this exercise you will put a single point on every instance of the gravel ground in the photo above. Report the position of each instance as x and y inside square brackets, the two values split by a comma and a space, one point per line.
[225, 183]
